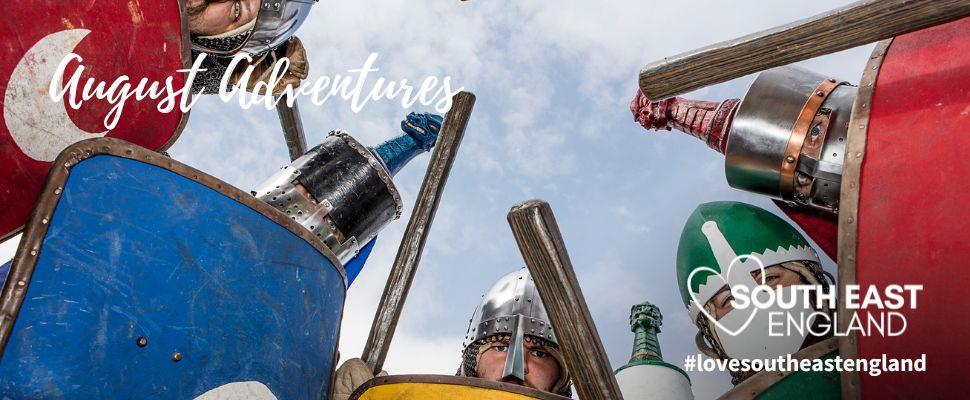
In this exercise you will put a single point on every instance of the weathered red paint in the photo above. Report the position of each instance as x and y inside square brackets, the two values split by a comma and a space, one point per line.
[140, 39]
[821, 226]
[708, 121]
[913, 214]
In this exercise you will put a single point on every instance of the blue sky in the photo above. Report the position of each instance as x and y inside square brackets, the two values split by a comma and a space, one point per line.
[554, 81]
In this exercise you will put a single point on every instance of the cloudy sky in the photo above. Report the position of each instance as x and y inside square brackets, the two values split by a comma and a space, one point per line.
[554, 81]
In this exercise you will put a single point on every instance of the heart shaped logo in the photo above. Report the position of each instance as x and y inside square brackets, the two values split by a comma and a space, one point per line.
[731, 281]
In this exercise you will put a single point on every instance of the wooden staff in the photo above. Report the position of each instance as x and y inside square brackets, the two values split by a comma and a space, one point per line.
[412, 244]
[535, 230]
[854, 25]
[292, 127]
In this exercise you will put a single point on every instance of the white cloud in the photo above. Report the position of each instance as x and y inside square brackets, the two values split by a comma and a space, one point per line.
[553, 82]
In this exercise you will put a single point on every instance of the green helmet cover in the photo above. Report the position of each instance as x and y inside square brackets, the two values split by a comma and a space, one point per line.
[718, 232]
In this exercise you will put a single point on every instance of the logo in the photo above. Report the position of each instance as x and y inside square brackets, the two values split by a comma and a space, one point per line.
[732, 283]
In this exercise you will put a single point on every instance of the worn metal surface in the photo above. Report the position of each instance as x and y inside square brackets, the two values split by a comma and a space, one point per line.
[912, 212]
[114, 38]
[541, 244]
[443, 387]
[277, 21]
[850, 26]
[416, 233]
[848, 228]
[799, 132]
[292, 128]
[772, 123]
[125, 245]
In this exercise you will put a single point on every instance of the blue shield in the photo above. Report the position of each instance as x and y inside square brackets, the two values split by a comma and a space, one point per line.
[153, 280]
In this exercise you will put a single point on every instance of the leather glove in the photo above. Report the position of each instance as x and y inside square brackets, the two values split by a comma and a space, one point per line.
[263, 67]
[351, 374]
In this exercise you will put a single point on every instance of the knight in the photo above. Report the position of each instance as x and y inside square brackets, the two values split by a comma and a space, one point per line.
[261, 29]
[785, 139]
[726, 245]
[342, 191]
[647, 375]
[509, 340]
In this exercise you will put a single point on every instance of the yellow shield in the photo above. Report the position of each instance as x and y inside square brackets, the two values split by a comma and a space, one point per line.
[442, 387]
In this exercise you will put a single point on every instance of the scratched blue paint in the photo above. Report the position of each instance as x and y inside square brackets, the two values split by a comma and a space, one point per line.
[356, 264]
[135, 250]
[5, 269]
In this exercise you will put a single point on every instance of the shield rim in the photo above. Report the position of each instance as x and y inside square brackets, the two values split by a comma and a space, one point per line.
[758, 383]
[186, 64]
[848, 233]
[456, 381]
[21, 270]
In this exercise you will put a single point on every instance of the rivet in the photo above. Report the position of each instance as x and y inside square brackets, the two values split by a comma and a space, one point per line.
[67, 165]
[44, 221]
[820, 93]
[850, 220]
[831, 80]
[33, 252]
[177, 356]
[789, 159]
[858, 155]
[142, 341]
[58, 190]
[21, 283]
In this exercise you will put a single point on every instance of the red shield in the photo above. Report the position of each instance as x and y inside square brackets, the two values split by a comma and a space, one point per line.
[114, 38]
[904, 208]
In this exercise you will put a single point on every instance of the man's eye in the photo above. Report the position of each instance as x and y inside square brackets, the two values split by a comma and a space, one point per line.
[772, 278]
[501, 349]
[727, 300]
[538, 353]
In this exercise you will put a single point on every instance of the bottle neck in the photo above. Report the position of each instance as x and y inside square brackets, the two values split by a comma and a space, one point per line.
[645, 345]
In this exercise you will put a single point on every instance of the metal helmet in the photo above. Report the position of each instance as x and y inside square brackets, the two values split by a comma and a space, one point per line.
[342, 191]
[788, 137]
[512, 310]
[275, 22]
[719, 234]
